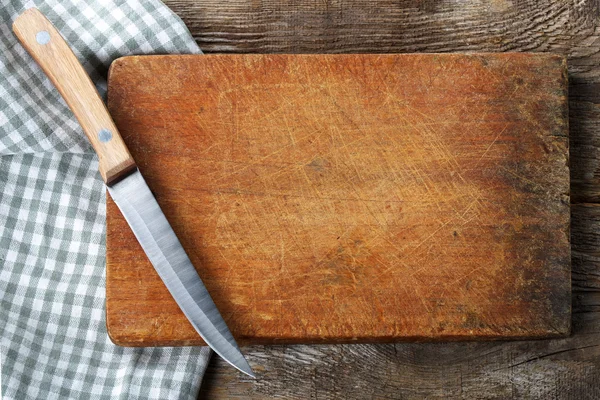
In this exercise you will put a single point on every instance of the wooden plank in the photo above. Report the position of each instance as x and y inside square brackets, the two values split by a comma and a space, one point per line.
[540, 369]
[349, 198]
[561, 26]
[385, 26]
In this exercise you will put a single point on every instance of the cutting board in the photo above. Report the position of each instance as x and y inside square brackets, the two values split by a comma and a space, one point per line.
[349, 198]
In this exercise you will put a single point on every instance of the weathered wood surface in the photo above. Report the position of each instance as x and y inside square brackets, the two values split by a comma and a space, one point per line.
[558, 369]
[349, 198]
[542, 369]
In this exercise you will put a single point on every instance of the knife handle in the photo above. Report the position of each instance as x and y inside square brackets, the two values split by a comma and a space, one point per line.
[48, 48]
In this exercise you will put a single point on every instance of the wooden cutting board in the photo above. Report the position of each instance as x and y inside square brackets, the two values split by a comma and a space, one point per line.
[349, 198]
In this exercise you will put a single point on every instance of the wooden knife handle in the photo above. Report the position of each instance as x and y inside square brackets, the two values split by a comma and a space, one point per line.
[53, 54]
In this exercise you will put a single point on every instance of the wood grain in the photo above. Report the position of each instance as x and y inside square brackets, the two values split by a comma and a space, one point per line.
[59, 63]
[349, 198]
[564, 26]
[540, 369]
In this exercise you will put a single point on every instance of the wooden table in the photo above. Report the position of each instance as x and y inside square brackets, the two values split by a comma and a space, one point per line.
[546, 369]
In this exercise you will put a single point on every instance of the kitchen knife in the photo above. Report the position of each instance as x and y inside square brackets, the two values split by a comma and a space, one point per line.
[126, 184]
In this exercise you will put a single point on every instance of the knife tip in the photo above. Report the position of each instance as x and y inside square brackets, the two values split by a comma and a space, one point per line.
[244, 367]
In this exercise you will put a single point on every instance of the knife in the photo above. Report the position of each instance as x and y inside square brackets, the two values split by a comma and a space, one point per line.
[126, 184]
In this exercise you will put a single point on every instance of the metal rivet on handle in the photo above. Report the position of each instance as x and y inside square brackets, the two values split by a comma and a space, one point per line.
[104, 135]
[42, 37]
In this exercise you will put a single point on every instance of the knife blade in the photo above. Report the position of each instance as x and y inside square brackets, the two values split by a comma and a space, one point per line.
[126, 185]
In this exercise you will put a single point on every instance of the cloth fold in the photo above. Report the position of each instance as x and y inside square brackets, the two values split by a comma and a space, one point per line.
[53, 339]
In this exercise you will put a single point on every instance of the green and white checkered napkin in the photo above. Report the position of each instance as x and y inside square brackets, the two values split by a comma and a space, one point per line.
[54, 343]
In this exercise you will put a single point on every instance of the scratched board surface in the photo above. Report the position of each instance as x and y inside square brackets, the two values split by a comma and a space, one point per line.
[349, 198]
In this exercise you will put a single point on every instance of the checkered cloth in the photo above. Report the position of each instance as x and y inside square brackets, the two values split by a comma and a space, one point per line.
[54, 343]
